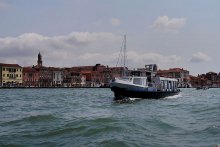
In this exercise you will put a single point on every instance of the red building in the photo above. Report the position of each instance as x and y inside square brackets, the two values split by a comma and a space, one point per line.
[73, 78]
[198, 81]
[30, 77]
[116, 71]
[45, 76]
[212, 78]
[91, 76]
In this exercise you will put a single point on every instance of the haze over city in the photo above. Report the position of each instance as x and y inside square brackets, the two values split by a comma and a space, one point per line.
[83, 32]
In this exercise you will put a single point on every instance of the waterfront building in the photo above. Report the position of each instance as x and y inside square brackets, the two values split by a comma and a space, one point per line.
[107, 77]
[10, 75]
[82, 80]
[57, 77]
[97, 76]
[73, 78]
[212, 78]
[30, 77]
[96, 79]
[116, 72]
[199, 81]
[180, 74]
[87, 74]
[66, 77]
[45, 76]
[90, 76]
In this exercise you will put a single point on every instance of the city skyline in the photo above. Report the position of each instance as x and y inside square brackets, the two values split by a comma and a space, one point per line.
[73, 33]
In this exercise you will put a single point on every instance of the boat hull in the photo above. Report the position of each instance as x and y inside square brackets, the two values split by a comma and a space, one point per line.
[121, 93]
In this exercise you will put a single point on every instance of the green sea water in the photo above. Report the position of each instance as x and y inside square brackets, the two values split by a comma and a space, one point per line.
[90, 117]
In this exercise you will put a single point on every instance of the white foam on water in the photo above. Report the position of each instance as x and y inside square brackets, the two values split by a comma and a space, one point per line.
[174, 96]
[133, 99]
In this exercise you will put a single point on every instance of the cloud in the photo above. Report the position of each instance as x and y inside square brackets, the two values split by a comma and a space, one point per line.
[74, 49]
[115, 22]
[66, 50]
[3, 4]
[144, 58]
[164, 23]
[200, 57]
[135, 59]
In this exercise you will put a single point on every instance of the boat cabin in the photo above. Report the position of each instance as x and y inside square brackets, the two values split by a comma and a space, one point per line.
[153, 84]
[167, 84]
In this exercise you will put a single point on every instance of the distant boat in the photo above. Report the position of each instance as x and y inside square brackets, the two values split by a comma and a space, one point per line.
[143, 85]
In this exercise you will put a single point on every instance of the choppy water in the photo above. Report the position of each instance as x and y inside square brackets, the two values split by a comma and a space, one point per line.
[90, 117]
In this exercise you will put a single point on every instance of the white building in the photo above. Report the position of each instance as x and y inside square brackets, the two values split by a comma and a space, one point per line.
[57, 78]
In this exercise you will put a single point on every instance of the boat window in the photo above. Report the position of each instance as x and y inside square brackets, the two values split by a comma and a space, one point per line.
[137, 81]
[149, 79]
[125, 79]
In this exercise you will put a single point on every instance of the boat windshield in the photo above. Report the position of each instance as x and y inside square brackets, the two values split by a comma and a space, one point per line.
[139, 81]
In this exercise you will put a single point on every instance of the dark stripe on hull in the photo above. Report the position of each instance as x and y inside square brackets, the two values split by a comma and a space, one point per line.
[121, 93]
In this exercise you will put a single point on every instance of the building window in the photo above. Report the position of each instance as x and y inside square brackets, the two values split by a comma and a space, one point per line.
[3, 75]
[20, 69]
[20, 75]
[3, 69]
[7, 75]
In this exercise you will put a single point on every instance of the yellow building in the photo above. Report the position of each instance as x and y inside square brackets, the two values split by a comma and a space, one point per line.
[10, 75]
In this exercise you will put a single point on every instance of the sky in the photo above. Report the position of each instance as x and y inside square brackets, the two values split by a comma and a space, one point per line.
[172, 33]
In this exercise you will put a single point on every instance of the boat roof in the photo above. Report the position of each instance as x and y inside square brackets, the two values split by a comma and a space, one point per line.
[168, 79]
[161, 78]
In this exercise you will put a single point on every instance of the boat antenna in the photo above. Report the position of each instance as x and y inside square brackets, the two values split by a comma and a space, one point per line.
[119, 60]
[124, 55]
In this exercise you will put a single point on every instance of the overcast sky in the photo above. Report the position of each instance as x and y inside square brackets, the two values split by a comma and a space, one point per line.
[170, 33]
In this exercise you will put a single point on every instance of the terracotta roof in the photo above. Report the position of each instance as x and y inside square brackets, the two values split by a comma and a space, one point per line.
[82, 68]
[171, 70]
[116, 67]
[9, 65]
[29, 69]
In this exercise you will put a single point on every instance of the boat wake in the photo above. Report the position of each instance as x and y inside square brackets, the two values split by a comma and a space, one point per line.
[127, 100]
[174, 96]
[134, 99]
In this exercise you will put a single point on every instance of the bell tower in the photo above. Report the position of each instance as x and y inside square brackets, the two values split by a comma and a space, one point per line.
[39, 60]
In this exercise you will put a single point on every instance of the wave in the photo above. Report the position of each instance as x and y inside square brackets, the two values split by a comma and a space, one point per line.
[103, 120]
[11, 145]
[84, 128]
[35, 118]
[61, 131]
[127, 100]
